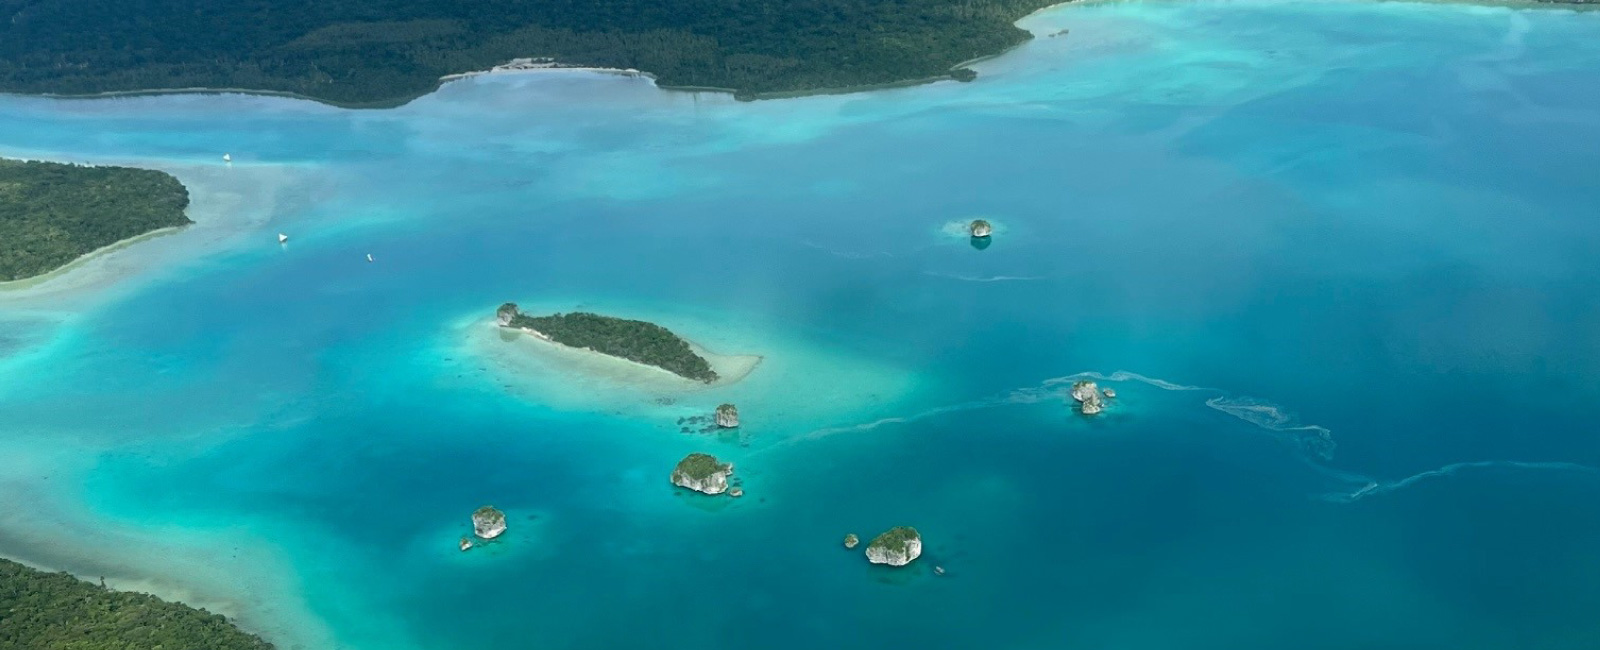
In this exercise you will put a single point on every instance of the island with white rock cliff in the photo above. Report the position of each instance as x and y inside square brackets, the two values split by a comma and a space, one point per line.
[1087, 395]
[897, 546]
[728, 416]
[634, 340]
[980, 228]
[487, 523]
[702, 473]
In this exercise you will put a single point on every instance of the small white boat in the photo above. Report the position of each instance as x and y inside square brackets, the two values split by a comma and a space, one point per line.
[369, 257]
[282, 238]
[227, 158]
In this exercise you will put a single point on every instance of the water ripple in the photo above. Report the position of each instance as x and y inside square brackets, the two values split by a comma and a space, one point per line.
[1315, 442]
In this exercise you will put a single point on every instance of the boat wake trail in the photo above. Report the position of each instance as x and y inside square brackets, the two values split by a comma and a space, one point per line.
[1374, 488]
[849, 255]
[868, 426]
[1315, 439]
[983, 278]
[1121, 375]
[1312, 444]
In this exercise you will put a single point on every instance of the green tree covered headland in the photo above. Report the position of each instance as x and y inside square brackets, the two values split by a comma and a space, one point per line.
[51, 213]
[383, 52]
[55, 611]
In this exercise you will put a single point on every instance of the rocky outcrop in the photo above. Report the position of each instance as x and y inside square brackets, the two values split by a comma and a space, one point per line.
[727, 416]
[980, 228]
[1092, 407]
[702, 473]
[850, 540]
[1109, 393]
[897, 546]
[466, 543]
[506, 313]
[488, 522]
[1087, 395]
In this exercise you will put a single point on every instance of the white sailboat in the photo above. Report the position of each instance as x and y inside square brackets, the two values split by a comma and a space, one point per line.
[227, 158]
[282, 238]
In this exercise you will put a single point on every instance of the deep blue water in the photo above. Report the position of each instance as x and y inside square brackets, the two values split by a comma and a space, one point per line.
[1377, 220]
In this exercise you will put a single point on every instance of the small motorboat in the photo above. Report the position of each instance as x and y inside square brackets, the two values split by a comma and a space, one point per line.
[369, 257]
[938, 570]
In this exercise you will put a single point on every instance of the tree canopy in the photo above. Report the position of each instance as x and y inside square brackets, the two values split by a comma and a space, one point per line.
[387, 51]
[634, 340]
[55, 611]
[51, 213]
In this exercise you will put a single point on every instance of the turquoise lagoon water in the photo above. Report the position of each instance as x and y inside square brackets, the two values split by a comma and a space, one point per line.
[1265, 223]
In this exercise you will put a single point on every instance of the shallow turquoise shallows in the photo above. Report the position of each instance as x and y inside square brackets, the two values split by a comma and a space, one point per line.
[1266, 225]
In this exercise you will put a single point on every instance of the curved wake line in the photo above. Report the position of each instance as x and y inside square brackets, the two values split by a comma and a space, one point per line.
[1121, 375]
[1314, 443]
[849, 255]
[980, 278]
[1377, 487]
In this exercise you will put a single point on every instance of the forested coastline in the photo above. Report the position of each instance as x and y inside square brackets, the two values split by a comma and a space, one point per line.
[384, 52]
[635, 340]
[53, 213]
[55, 611]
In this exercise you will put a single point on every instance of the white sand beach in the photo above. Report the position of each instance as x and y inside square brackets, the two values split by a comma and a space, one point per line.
[228, 570]
[226, 203]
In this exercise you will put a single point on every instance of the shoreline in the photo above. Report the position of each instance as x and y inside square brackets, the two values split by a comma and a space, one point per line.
[243, 577]
[168, 591]
[948, 75]
[730, 369]
[32, 281]
[226, 204]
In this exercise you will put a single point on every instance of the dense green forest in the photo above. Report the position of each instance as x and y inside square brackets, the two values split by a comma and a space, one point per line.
[50, 213]
[699, 466]
[376, 52]
[55, 611]
[634, 340]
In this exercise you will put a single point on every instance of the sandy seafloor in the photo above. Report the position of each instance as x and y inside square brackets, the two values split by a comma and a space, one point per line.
[1262, 222]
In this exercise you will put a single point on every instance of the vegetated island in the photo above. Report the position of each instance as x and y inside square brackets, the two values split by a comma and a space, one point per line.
[634, 340]
[897, 546]
[46, 611]
[54, 213]
[702, 473]
[382, 53]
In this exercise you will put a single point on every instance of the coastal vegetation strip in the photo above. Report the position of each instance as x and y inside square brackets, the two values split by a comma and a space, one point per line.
[377, 52]
[53, 213]
[55, 611]
[634, 340]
